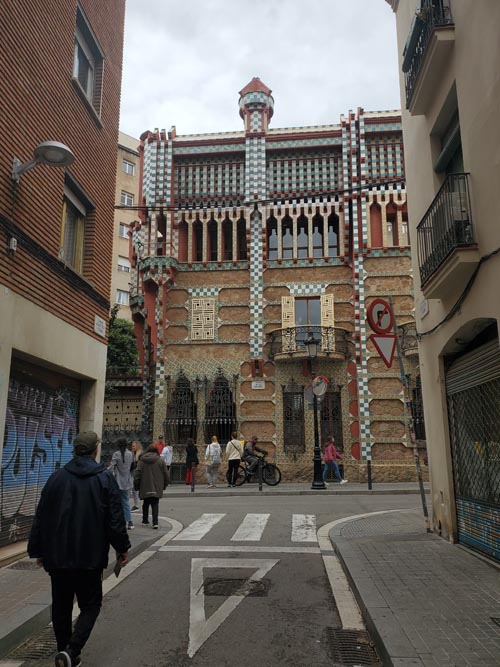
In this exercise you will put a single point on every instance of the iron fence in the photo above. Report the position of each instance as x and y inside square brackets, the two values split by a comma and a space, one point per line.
[292, 339]
[433, 14]
[447, 225]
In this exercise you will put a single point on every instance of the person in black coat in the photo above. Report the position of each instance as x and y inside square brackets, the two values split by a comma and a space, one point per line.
[191, 458]
[79, 515]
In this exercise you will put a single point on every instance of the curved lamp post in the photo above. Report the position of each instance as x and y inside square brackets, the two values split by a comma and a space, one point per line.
[311, 345]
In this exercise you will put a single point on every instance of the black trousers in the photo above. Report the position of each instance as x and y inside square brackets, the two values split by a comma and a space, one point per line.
[154, 503]
[87, 586]
[233, 465]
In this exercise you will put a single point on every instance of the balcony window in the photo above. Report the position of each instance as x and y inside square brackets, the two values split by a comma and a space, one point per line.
[123, 231]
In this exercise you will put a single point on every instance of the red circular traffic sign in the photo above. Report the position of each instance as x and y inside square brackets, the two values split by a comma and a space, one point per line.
[380, 316]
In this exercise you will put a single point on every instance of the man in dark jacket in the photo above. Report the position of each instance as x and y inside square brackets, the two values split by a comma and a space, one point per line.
[79, 515]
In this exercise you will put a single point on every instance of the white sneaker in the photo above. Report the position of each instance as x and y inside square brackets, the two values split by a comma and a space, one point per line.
[325, 483]
[343, 481]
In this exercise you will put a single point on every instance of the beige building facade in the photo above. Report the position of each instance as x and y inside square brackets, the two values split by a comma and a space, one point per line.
[127, 193]
[450, 88]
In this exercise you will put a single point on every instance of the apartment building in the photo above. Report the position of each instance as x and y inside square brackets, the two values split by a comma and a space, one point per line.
[58, 138]
[450, 92]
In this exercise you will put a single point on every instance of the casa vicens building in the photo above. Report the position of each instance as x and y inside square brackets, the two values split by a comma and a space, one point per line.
[246, 245]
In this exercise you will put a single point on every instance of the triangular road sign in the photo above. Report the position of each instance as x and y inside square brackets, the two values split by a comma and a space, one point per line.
[386, 346]
[200, 628]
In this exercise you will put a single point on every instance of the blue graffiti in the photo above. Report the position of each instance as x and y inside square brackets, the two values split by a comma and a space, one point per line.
[40, 427]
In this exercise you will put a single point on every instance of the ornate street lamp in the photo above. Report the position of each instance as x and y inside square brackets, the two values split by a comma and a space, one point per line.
[311, 345]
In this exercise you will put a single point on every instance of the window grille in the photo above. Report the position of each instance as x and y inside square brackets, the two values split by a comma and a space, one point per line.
[220, 409]
[293, 419]
[181, 421]
[331, 418]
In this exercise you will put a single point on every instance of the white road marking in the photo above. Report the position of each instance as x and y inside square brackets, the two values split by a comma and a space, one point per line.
[200, 628]
[251, 528]
[350, 615]
[10, 663]
[240, 549]
[199, 528]
[304, 528]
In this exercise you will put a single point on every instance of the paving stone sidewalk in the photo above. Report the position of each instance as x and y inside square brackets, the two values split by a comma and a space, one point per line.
[426, 602]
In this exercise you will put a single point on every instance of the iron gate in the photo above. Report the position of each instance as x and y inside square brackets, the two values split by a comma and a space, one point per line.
[331, 419]
[474, 418]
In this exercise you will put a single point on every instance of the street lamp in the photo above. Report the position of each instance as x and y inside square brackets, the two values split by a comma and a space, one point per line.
[311, 345]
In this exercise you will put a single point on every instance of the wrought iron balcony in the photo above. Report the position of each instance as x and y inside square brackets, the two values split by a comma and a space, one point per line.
[290, 342]
[409, 342]
[446, 227]
[426, 41]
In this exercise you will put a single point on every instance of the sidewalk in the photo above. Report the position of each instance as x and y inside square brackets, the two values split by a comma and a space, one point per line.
[425, 602]
[298, 489]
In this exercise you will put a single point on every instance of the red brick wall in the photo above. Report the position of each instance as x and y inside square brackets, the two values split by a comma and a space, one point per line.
[40, 103]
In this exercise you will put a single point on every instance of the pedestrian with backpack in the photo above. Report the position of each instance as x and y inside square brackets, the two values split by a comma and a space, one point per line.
[213, 460]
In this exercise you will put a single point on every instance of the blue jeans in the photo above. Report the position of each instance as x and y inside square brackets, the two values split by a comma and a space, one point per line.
[332, 465]
[126, 506]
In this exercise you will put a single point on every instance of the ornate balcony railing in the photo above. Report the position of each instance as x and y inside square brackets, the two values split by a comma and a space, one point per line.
[433, 14]
[332, 340]
[446, 226]
[409, 341]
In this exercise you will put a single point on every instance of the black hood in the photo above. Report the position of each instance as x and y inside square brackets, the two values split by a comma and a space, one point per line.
[84, 466]
[150, 457]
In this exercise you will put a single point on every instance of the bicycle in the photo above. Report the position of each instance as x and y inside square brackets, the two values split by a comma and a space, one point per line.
[271, 474]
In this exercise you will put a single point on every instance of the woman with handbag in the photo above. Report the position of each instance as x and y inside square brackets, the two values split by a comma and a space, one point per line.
[212, 460]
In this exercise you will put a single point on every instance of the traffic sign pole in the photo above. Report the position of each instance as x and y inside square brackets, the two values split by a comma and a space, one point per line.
[408, 410]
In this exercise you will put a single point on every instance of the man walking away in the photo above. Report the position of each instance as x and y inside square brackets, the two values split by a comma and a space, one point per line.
[80, 514]
[151, 479]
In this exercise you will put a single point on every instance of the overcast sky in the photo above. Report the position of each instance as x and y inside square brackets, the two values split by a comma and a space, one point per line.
[186, 60]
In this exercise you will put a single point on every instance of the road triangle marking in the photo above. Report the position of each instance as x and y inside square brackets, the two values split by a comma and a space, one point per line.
[386, 346]
[200, 627]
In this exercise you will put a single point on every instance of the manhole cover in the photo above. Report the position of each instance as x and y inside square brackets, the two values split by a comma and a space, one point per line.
[350, 648]
[24, 565]
[41, 646]
[228, 587]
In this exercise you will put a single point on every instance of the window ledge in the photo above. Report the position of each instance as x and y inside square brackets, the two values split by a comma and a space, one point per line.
[85, 100]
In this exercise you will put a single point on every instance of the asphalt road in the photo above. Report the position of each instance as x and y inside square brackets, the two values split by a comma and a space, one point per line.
[242, 584]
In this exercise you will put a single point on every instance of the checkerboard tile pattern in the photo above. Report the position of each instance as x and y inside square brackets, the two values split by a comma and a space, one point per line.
[256, 288]
[200, 292]
[307, 289]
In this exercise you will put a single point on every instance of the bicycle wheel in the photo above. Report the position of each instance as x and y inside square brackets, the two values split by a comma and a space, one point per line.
[240, 477]
[271, 474]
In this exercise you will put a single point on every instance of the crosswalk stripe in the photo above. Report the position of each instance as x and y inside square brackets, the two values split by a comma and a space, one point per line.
[304, 528]
[199, 528]
[251, 528]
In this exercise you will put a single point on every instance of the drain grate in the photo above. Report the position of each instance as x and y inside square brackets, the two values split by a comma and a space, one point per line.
[495, 619]
[228, 587]
[351, 648]
[41, 646]
[23, 565]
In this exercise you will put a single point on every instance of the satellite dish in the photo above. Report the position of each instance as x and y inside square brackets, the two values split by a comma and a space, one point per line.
[320, 385]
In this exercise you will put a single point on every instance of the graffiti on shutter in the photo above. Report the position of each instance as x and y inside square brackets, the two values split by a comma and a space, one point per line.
[288, 323]
[41, 424]
[327, 323]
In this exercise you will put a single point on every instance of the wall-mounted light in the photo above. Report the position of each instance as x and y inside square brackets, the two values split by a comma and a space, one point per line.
[52, 153]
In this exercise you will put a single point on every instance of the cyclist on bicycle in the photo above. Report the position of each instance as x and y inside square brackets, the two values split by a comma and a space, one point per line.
[251, 454]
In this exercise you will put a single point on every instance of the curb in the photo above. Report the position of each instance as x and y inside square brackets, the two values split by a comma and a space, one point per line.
[310, 492]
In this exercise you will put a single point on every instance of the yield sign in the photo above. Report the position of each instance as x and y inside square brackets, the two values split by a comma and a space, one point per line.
[200, 627]
[386, 346]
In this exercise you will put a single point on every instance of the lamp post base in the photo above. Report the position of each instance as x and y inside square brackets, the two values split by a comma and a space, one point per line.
[318, 485]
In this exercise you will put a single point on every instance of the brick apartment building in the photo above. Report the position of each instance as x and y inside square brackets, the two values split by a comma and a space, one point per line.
[249, 242]
[61, 79]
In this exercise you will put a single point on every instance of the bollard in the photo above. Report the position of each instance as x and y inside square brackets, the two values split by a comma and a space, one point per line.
[193, 471]
[260, 473]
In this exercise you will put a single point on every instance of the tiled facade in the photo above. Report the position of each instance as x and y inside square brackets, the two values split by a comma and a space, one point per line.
[266, 233]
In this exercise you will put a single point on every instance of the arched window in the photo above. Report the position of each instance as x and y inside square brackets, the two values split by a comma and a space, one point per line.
[242, 238]
[302, 237]
[181, 422]
[272, 238]
[197, 241]
[317, 235]
[333, 235]
[376, 226]
[392, 226]
[287, 237]
[212, 241]
[227, 239]
[183, 241]
[220, 410]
